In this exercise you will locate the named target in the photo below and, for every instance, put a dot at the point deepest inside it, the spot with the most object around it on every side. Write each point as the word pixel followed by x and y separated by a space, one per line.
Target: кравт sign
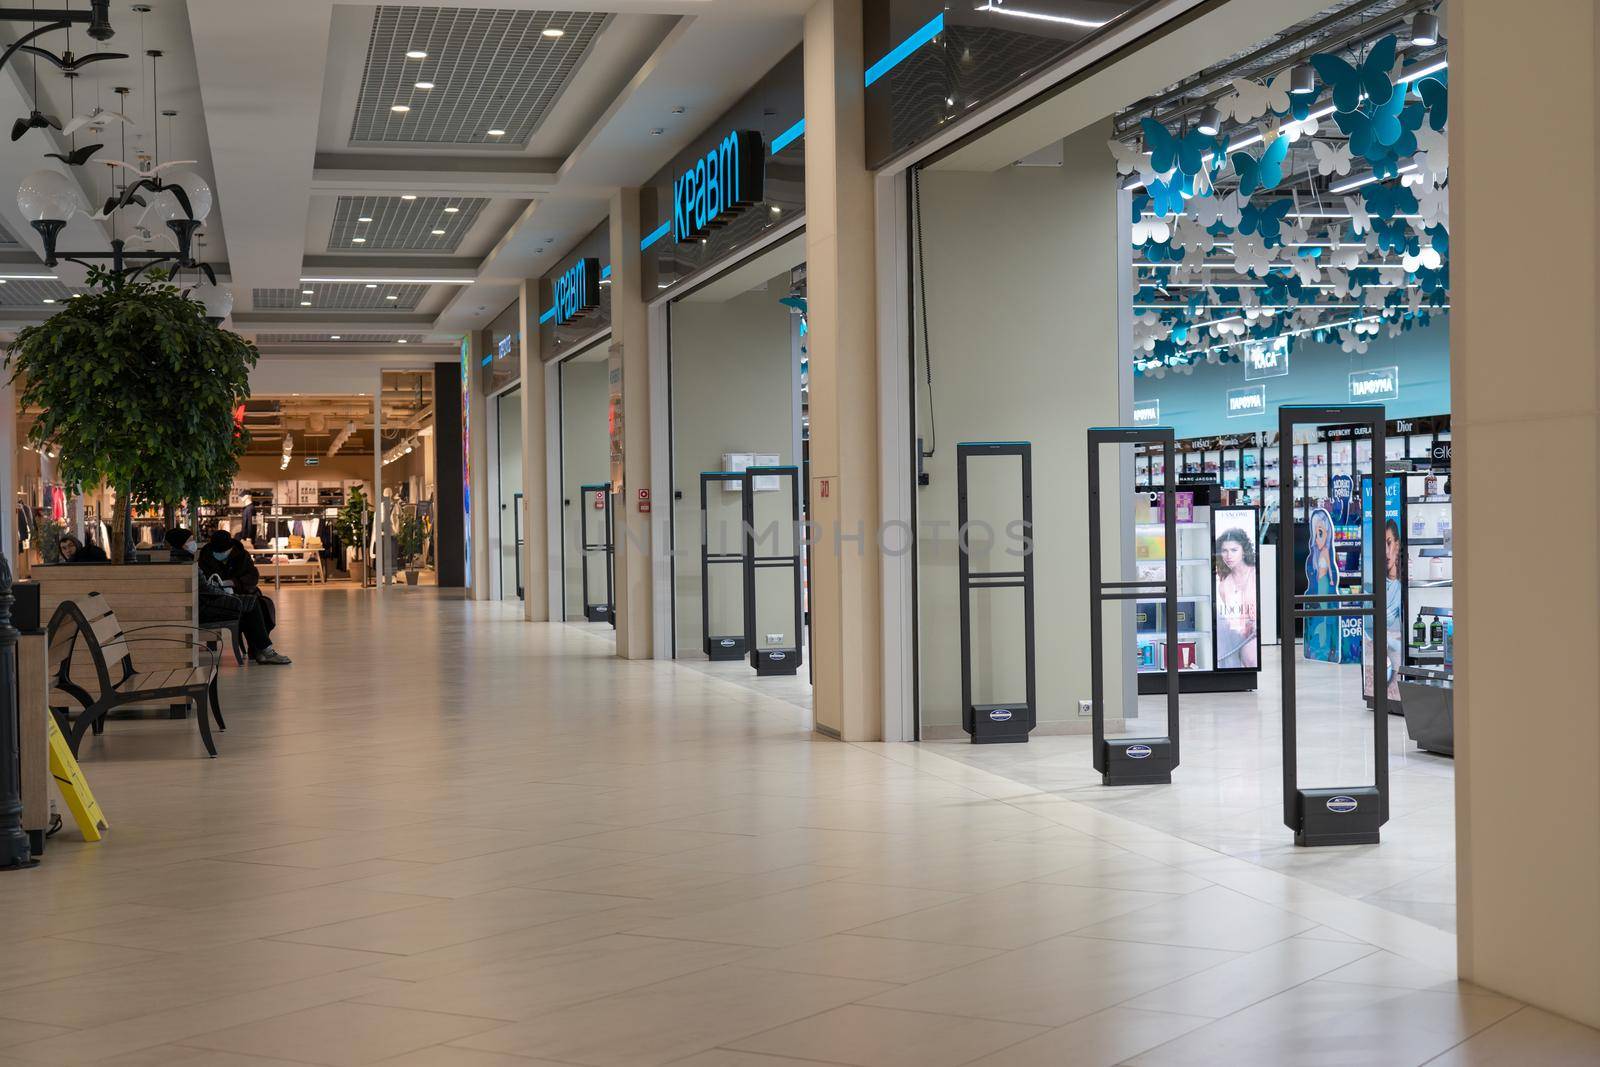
pixel 723 182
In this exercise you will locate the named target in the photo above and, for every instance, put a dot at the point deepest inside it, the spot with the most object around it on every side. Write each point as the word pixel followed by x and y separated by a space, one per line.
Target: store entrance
pixel 587 502
pixel 739 403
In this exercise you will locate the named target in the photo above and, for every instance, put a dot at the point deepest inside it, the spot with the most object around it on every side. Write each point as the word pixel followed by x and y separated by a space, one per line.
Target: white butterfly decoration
pixel 1298 234
pixel 1151 228
pixel 1131 160
pixel 1232 212
pixel 1205 210
pixel 1393 329
pixel 1433 205
pixel 1339 283
pixel 1190 236
pixel 1360 220
pixel 1353 343
pixel 1414 302
pixel 1368 328
pixel 1252 256
pixel 1435 144
pixel 1250 99
pixel 1231 327
pixel 1332 158
pixel 1427 256
pixel 1306 269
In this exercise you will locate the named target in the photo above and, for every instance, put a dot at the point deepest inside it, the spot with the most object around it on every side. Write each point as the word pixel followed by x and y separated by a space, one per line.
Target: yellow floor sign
pixel 74 789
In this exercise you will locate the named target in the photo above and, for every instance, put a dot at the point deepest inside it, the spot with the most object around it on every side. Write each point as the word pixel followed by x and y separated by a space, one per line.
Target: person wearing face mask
pixel 225 559
pixel 182 545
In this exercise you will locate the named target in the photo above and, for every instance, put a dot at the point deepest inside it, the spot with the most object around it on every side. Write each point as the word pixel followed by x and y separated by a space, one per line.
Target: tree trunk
pixel 121 527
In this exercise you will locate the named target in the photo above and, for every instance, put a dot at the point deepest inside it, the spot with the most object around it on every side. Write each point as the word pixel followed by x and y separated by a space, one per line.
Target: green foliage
pixel 45 538
pixel 408 539
pixel 136 389
pixel 351 521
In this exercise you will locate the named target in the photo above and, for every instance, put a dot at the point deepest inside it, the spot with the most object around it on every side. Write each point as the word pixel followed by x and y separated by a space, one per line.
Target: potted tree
pixel 351 526
pixel 409 539
pixel 137 389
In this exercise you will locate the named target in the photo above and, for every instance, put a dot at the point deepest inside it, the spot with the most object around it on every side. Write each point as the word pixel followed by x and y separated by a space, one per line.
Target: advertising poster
pixel 1236 589
pixel 1393 556
pixel 1322 576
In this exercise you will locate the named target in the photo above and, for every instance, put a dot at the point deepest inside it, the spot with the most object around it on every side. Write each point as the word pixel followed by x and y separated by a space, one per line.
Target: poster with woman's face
pixel 1235 589
pixel 1392 567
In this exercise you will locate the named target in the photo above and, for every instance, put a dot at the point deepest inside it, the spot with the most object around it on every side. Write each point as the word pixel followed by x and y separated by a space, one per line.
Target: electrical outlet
pixel 1085 709
pixel 774 639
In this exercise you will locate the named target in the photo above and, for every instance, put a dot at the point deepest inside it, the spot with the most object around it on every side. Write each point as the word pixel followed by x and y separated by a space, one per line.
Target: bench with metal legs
pixel 108 644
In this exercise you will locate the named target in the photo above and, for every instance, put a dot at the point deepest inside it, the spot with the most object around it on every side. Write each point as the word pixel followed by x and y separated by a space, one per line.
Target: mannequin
pixel 383 531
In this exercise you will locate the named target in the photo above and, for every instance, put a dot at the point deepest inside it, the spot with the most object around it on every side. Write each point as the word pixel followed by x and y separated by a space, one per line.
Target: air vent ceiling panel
pixel 340 296
pixel 402 225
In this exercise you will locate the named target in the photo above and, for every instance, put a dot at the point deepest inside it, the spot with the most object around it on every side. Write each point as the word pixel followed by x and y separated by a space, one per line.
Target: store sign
pixel 1267 359
pixel 577 291
pixel 503 348
pixel 1251 400
pixel 1441 454
pixel 1146 412
pixel 1380 384
pixel 728 179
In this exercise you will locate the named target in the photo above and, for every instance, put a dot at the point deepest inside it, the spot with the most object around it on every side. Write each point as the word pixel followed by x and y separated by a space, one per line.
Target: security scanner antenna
pixel 1133 760
pixel 598 549
pixel 768 602
pixel 721 642
pixel 1347 815
pixel 1007 721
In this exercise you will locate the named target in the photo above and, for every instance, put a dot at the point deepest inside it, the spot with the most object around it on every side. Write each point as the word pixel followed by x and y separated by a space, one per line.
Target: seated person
pixel 227 561
pixel 182 544
pixel 75 551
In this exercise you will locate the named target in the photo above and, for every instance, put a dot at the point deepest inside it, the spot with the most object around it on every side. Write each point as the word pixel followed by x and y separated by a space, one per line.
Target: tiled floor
pixel 446 837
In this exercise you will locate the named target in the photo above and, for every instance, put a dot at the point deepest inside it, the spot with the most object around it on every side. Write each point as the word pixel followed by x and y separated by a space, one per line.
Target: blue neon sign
pixel 722 183
pixel 577 290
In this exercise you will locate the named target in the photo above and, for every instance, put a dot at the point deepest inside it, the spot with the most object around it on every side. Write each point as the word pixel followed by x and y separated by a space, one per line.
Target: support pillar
pixel 536 565
pixel 841 290
pixel 477 446
pixel 1527 577
pixel 630 326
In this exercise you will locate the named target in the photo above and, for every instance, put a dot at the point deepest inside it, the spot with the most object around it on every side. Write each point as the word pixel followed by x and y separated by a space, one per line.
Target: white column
pixel 536 532
pixel 630 329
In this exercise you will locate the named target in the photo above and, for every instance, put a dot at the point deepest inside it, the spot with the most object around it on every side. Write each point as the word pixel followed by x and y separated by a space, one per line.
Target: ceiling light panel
pixel 491 69
pixel 343 338
pixel 400 225
pixel 348 296
pixel 34 293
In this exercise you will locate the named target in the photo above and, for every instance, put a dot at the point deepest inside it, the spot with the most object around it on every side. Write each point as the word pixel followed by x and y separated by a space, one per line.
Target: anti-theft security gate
pixel 724 630
pixel 1006 721
pixel 1133 760
pixel 597 549
pixel 772 593
pixel 1330 816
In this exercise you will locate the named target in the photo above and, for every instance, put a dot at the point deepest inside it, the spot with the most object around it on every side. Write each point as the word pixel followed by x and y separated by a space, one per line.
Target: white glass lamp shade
pixel 47 194
pixel 198 190
pixel 217 299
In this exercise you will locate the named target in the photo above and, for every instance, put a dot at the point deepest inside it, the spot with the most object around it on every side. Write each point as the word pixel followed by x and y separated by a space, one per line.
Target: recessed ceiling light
pixel 657 132
pixel 438 233
pixel 497 133
pixel 49 300
pixel 372 285
pixel 416 53
pixel 333 337
pixel 365 218
pixel 451 210
pixel 551 31
pixel 305 303
pixel 308 292
pixel 400 109
pixel 424 85
pixel 408 196
pixel 402 341
pixel 358 240
pixel 392 296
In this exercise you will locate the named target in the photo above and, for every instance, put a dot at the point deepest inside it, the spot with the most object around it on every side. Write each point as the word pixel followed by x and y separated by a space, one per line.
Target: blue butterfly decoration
pixel 1387 201
pixel 1140 202
pixel 1166 197
pixel 1219 229
pixel 1180 334
pixel 1156 253
pixel 1280 288
pixel 1167 150
pixel 1391 235
pixel 1196 301
pixel 1227 294
pixel 1265 219
pixel 1361 277
pixel 1309 251
pixel 1440 237
pixel 1434 281
pixel 1349 82
pixel 1436 98
pixel 1264 173
pixel 1373 127
pixel 1148 294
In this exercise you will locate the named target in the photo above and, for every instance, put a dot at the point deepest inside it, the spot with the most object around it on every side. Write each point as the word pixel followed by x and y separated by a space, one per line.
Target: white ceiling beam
pixel 379 175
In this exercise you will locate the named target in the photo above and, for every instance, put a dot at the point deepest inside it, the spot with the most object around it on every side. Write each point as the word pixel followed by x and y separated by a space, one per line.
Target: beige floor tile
pixel 1015 916
pixel 1529 1036
pixel 18 1032
pixel 798 915
pixel 1239 983
pixel 344 1035
pixel 1208 918
pixel 1100 1040
pixel 520 944
pixel 181 1056
pixel 1128 871
pixel 875 959
pixel 1054 982
pixel 44 959
pixel 633 880
pixel 722 1057
pixel 454 1056
pixel 884 1037
pixel 522 988
pixel 1387 969
pixel 671 1020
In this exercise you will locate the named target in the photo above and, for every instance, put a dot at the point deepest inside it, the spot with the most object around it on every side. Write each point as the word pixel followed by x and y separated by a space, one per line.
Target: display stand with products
pixel 772 578
pixel 1341 815
pixel 597 548
pixel 990 721
pixel 724 637
pixel 1133 760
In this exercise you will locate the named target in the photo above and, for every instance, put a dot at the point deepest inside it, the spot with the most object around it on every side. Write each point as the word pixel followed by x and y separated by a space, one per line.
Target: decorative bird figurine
pixel 66 60
pixel 78 156
pixel 97 116
pixel 36 120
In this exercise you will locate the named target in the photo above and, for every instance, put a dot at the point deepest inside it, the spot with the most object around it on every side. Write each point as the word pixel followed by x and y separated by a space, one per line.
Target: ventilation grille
pixel 341 296
pixel 341 339
pixel 402 225
pixel 491 69
pixel 16 294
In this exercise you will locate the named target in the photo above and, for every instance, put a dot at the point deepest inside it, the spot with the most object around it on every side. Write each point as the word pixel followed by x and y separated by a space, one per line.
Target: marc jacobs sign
pixel 721 184
pixel 577 290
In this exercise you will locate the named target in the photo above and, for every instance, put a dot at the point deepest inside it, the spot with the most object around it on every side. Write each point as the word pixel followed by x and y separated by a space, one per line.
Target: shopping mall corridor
pixel 444 836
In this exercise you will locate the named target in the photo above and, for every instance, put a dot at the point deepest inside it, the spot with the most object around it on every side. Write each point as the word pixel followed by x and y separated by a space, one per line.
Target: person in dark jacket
pixel 75 551
pixel 227 561
pixel 182 545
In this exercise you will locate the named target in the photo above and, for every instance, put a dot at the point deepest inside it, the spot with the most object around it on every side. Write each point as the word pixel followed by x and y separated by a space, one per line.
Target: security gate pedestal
pixel 769 659
pixel 1007 723
pixel 1133 760
pixel 599 545
pixel 1333 816
pixel 724 646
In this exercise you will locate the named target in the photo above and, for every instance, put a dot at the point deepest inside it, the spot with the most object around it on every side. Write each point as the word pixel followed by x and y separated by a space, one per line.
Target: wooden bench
pixel 119 683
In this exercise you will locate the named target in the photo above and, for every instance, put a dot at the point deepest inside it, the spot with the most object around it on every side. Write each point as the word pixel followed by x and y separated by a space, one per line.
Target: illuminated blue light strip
pixel 883 66
pixel 791 135
pixel 547 316
pixel 487 360
pixel 655 235
pixel 605 272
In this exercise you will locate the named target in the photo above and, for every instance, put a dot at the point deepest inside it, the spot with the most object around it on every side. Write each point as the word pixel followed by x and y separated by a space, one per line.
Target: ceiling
pixel 346 227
